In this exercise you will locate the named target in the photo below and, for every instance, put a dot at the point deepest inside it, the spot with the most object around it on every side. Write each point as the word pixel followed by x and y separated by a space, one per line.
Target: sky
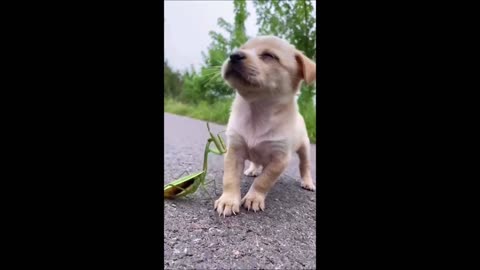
pixel 187 24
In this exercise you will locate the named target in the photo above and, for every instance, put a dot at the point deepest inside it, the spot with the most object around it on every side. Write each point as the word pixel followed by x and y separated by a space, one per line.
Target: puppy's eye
pixel 267 55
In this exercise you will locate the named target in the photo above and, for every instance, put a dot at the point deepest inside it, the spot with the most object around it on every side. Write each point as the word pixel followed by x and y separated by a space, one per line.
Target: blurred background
pixel 199 36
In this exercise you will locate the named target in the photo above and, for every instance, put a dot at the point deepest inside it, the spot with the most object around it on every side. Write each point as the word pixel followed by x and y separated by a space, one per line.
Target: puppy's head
pixel 267 66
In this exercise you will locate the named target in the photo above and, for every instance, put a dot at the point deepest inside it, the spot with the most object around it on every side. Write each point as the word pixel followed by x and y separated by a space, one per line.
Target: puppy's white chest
pixel 261 152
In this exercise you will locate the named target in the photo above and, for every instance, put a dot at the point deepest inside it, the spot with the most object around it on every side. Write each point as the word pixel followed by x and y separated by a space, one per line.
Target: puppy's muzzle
pixel 237 57
pixel 239 69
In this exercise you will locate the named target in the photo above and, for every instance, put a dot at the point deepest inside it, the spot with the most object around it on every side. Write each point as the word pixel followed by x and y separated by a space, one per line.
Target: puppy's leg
pixel 253 170
pixel 304 156
pixel 255 198
pixel 234 163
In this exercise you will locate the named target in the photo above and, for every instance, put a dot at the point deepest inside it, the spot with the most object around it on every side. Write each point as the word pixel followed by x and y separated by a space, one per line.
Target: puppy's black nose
pixel 237 57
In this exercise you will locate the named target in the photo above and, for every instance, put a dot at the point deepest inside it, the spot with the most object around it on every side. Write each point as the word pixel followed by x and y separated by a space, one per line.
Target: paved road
pixel 195 237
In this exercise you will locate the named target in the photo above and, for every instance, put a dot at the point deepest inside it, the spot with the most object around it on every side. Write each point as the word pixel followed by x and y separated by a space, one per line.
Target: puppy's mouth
pixel 245 75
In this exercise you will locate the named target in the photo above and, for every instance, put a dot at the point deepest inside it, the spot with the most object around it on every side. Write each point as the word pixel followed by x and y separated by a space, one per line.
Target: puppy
pixel 265 126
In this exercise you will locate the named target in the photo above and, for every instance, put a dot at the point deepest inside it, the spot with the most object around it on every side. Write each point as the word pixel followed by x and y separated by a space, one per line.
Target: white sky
pixel 187 24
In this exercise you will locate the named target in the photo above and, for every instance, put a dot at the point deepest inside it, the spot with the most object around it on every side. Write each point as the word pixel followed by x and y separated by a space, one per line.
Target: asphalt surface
pixel 195 237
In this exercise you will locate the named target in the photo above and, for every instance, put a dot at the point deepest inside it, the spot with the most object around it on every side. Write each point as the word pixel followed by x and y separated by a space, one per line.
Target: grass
pixel 219 112
pixel 309 114
pixel 216 113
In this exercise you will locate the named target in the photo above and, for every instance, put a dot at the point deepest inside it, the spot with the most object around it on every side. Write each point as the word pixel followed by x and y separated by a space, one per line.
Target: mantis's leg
pixel 215 151
pixel 222 143
pixel 182 174
pixel 215 141
pixel 205 155
pixel 206 191
pixel 170 185
pixel 214 185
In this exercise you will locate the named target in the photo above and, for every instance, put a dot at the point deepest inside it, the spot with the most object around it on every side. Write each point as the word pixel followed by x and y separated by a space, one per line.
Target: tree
pixel 208 84
pixel 239 34
pixel 172 82
pixel 293 21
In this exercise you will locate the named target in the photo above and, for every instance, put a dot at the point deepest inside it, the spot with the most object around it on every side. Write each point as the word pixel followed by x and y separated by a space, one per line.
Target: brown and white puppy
pixel 265 126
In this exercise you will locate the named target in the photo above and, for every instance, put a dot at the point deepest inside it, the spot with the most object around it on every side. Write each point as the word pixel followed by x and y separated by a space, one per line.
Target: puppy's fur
pixel 265 126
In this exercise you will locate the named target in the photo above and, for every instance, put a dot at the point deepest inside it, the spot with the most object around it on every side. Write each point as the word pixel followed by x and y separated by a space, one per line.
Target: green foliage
pixel 204 94
pixel 291 20
pixel 295 22
pixel 172 81
pixel 217 112
pixel 308 111
pixel 191 87
pixel 208 84
pixel 239 34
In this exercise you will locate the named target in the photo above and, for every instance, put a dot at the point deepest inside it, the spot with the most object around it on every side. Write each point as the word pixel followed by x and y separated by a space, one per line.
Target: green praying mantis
pixel 189 184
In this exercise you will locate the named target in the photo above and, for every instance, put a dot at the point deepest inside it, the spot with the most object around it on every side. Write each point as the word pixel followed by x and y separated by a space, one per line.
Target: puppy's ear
pixel 307 68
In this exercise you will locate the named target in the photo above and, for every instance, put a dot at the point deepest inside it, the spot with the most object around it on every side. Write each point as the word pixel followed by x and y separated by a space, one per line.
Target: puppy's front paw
pixel 254 200
pixel 253 171
pixel 308 184
pixel 228 204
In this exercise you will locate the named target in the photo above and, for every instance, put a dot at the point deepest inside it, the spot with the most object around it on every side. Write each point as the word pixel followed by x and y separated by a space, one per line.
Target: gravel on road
pixel 195 237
